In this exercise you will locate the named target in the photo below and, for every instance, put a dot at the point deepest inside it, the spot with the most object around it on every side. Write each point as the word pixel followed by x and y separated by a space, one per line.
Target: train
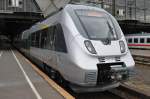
pixel 138 40
pixel 80 44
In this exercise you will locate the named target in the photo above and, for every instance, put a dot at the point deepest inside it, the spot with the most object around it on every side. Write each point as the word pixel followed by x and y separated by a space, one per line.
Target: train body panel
pixel 87 55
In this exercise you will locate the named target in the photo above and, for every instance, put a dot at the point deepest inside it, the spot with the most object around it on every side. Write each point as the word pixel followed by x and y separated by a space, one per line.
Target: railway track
pixel 122 92
pixel 145 60
pixel 97 95
pixel 127 92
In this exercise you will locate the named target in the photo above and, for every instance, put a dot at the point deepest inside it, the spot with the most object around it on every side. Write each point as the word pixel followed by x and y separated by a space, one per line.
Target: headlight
pixel 122 46
pixel 90 47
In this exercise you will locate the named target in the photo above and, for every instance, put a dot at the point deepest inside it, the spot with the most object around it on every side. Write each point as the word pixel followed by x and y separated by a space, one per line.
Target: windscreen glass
pixel 96 24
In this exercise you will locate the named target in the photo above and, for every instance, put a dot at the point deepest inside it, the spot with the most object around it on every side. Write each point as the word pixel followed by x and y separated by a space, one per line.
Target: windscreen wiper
pixel 111 28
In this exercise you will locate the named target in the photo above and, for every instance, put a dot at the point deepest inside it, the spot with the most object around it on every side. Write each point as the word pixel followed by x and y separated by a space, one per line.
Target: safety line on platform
pixel 52 83
pixel 27 78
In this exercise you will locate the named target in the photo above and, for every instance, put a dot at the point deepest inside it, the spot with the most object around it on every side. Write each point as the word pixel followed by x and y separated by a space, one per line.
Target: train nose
pixel 111 49
pixel 112 72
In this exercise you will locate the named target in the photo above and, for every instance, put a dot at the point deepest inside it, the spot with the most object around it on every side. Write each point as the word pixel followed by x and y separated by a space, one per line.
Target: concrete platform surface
pixel 18 80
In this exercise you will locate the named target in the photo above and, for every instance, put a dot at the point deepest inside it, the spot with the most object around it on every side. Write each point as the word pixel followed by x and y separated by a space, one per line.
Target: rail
pixel 145 60
pixel 127 92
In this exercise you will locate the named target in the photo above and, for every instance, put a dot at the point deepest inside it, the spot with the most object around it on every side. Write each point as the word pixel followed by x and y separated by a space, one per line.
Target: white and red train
pixel 140 41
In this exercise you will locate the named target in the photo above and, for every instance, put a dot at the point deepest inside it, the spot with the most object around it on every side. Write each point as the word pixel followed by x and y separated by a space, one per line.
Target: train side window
pixel 142 40
pixel 135 40
pixel 130 40
pixel 148 40
pixel 28 42
pixel 60 44
pixel 51 33
pixel 44 38
pixel 33 37
pixel 47 44
pixel 37 41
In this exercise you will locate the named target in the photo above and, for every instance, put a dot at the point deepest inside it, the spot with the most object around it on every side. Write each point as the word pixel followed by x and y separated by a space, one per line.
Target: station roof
pixel 134 26
pixel 50 6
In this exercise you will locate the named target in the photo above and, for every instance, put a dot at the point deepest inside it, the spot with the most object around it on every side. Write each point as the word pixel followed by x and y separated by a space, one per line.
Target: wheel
pixel 50 72
pixel 53 74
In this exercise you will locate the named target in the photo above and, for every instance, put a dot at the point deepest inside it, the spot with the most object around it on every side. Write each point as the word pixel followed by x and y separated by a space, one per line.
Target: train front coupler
pixel 112 72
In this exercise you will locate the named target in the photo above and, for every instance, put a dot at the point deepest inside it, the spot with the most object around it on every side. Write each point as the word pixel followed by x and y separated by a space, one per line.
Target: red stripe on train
pixel 138 44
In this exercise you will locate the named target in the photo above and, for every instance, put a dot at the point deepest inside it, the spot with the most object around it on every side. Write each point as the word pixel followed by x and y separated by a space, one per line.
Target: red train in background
pixel 138 41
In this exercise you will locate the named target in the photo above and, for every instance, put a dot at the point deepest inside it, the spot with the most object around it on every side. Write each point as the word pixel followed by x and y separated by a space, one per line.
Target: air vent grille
pixel 117 59
pixel 102 59
pixel 91 77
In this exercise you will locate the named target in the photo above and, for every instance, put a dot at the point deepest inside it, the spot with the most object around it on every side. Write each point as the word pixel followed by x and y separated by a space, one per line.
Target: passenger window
pixel 29 42
pixel 130 40
pixel 148 40
pixel 44 39
pixel 135 40
pixel 141 40
pixel 33 37
pixel 37 43
pixel 60 44
pixel 52 37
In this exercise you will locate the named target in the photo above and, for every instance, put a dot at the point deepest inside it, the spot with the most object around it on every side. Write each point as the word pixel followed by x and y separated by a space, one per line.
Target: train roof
pixel 68 7
pixel 74 6
pixel 51 19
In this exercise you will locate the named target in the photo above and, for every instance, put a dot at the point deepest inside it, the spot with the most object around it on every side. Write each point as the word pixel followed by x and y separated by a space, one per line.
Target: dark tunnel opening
pixel 13 24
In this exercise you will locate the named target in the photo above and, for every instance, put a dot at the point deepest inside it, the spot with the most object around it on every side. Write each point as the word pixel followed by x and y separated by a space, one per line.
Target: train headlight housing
pixel 122 46
pixel 90 47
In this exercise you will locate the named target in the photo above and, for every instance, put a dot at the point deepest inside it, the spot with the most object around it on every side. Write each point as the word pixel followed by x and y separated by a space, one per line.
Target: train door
pixel 53 52
pixel 60 47
pixel 48 48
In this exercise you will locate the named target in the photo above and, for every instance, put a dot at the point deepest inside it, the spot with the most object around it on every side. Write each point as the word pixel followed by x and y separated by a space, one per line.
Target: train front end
pixel 99 51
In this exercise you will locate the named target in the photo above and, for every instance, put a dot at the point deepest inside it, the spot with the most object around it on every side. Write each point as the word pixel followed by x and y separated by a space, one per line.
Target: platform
pixel 18 80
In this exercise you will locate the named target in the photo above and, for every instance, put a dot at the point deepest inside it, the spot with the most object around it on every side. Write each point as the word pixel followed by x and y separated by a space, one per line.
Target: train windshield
pixel 96 24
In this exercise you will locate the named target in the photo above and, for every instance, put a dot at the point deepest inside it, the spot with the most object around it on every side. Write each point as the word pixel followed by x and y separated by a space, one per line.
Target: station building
pixel 18 15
